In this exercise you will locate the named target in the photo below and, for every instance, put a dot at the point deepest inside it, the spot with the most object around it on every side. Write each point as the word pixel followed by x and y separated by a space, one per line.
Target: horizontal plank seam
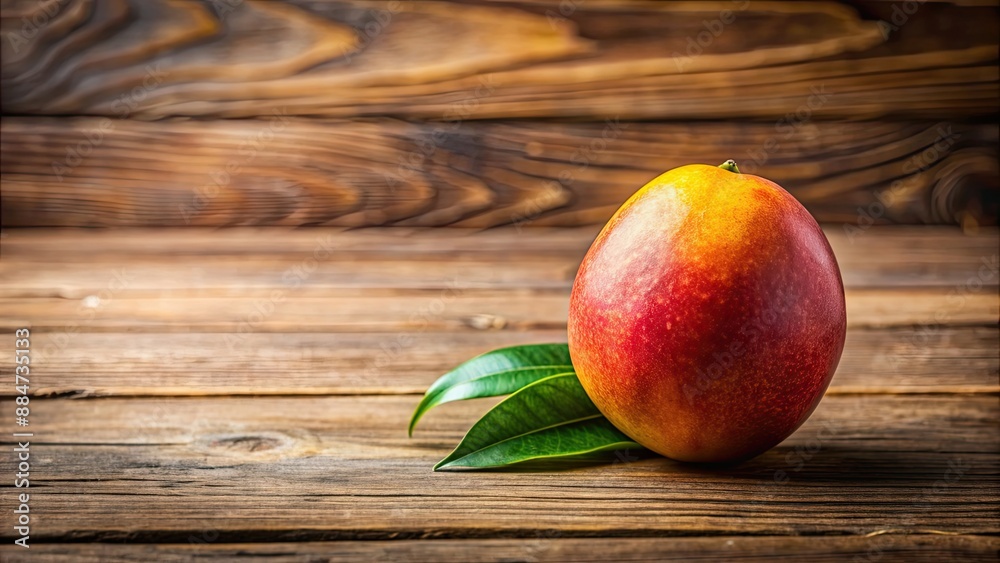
pixel 529 326
pixel 272 536
pixel 84 395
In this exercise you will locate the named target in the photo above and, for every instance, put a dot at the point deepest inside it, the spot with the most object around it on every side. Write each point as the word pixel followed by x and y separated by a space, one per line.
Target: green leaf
pixel 499 372
pixel 552 418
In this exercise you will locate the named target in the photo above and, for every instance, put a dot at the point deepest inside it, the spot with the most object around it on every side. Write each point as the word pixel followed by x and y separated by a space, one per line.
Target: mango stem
pixel 730 165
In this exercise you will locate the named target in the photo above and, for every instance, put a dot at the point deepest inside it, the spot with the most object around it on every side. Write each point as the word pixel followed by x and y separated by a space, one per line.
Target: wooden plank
pixel 920 360
pixel 635 59
pixel 902 360
pixel 359 311
pixel 447 310
pixel 398 243
pixel 72 264
pixel 939 249
pixel 886 548
pixel 98 172
pixel 401 288
pixel 257 276
pixel 321 468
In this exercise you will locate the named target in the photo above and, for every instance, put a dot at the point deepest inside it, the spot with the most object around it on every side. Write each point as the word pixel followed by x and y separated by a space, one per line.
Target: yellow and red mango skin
pixel 708 317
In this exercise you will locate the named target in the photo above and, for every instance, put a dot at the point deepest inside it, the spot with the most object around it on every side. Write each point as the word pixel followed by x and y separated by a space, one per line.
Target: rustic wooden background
pixel 242 393
pixel 230 394
pixel 551 112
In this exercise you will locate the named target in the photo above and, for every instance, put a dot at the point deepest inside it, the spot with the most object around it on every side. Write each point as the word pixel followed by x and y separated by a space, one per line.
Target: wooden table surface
pixel 231 394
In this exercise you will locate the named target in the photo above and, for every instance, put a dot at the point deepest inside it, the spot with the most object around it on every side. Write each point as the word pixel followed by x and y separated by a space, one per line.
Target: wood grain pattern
pixel 428 300
pixel 295 435
pixel 284 171
pixel 407 286
pixel 319 468
pixel 889 548
pixel 242 394
pixel 636 59
pixel 83 364
pixel 448 312
pixel 21 52
pixel 244 262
